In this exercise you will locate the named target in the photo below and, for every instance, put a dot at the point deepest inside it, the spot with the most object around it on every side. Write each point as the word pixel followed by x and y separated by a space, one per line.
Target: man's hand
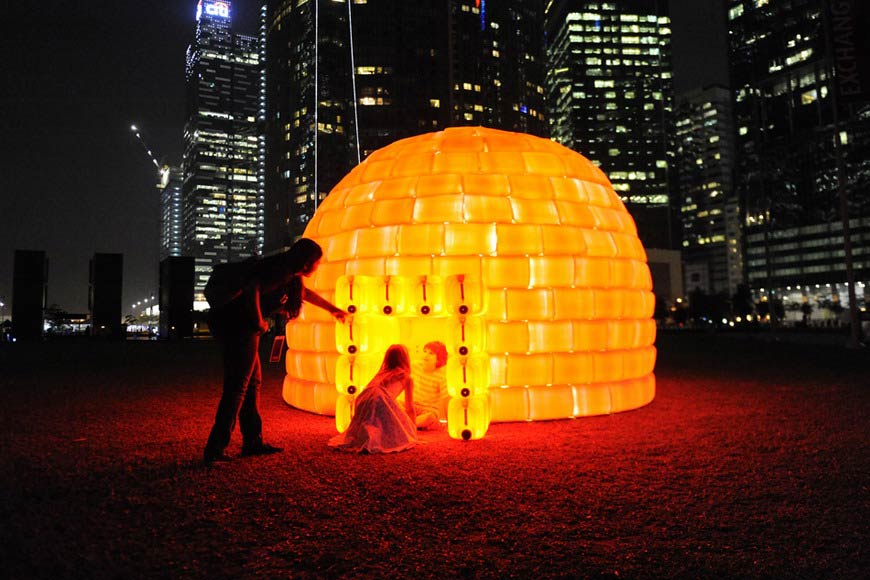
pixel 263 326
pixel 339 314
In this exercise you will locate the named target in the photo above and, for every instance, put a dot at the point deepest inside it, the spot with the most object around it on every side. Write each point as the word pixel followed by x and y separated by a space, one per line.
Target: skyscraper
pixel 789 142
pixel 170 211
pixel 610 98
pixel 223 212
pixel 497 64
pixel 709 211
pixel 294 148
pixel 417 67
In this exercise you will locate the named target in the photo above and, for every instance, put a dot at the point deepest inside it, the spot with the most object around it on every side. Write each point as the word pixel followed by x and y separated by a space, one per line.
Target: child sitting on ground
pixel 430 386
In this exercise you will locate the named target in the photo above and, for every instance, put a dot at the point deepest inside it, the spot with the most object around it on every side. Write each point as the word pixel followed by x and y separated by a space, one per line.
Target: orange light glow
pixel 512 250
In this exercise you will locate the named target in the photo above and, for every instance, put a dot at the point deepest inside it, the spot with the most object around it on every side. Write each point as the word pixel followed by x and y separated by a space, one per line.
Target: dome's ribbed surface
pixel 568 304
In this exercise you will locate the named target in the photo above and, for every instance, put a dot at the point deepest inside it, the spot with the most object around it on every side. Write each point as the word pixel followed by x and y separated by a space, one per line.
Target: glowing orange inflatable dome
pixel 512 250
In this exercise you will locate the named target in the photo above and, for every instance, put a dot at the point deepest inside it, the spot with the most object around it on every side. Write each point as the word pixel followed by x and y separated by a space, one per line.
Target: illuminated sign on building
pixel 219 9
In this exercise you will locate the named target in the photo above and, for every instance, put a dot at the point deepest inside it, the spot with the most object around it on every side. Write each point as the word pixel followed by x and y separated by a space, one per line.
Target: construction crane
pixel 135 131
pixel 163 172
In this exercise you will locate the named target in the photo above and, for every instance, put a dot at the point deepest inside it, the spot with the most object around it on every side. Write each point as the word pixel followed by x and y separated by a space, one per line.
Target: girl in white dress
pixel 379 424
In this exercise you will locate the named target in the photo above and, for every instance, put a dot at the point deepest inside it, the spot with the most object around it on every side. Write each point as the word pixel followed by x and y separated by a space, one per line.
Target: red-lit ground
pixel 751 462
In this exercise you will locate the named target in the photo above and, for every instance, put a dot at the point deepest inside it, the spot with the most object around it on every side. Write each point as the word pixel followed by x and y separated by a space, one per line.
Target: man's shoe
pixel 210 458
pixel 260 449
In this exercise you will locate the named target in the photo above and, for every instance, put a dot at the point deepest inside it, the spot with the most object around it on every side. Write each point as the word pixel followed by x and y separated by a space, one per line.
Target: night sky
pixel 75 76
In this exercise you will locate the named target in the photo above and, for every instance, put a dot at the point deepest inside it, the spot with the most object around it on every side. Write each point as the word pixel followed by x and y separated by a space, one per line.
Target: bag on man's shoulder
pixel 227 282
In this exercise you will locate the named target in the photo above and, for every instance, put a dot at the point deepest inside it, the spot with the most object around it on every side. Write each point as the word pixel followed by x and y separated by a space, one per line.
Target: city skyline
pixel 76 180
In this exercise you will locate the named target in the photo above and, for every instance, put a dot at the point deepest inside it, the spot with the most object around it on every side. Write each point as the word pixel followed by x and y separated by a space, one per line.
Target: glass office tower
pixel 784 68
pixel 223 212
pixel 418 67
pixel 170 211
pixel 708 206
pixel 610 98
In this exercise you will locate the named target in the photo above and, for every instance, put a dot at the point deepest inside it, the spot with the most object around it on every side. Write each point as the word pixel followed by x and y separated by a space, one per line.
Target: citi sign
pixel 219 9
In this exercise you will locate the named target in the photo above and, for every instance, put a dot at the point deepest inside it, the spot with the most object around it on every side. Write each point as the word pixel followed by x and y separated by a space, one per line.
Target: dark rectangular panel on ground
pixel 29 290
pixel 105 294
pixel 176 297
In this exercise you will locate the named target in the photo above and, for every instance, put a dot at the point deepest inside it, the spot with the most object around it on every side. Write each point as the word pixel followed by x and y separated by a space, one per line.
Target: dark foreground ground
pixel 751 462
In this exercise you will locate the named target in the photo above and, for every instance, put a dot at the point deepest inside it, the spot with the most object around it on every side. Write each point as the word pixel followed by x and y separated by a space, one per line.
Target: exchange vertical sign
pixel 850 46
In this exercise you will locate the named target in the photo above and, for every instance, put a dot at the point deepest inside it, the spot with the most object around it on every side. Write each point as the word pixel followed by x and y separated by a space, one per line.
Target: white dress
pixel 379 424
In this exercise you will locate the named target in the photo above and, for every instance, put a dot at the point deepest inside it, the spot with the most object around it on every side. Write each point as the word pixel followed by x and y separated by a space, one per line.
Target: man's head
pixel 304 257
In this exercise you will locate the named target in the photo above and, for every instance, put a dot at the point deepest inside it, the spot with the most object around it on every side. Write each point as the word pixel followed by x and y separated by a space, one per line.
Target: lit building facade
pixel 171 180
pixel 709 210
pixel 223 211
pixel 610 98
pixel 497 64
pixel 418 67
pixel 784 82
pixel 302 164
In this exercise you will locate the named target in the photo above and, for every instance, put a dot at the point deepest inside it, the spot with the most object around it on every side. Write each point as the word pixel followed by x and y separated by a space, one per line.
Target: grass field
pixel 752 461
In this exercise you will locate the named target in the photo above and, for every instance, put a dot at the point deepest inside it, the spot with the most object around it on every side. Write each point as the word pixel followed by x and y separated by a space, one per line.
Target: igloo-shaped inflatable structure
pixel 512 250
